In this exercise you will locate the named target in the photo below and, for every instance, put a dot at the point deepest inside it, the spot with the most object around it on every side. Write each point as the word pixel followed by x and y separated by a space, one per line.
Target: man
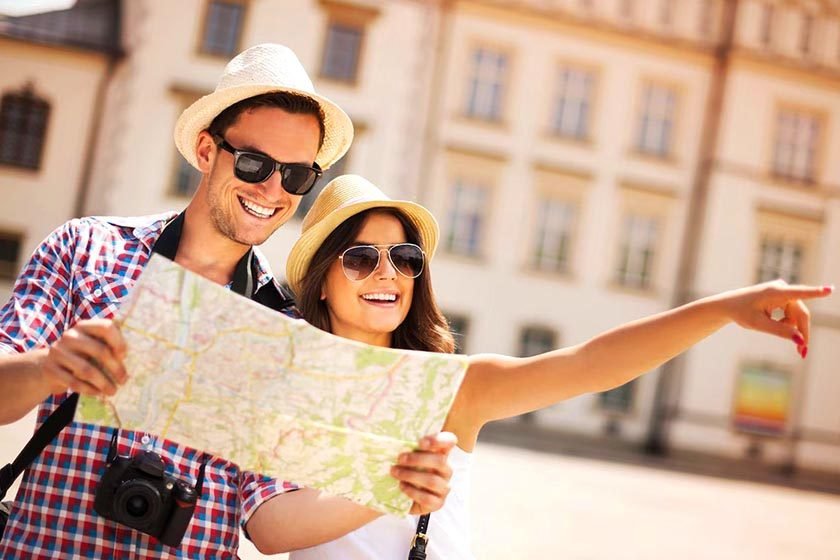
pixel 260 140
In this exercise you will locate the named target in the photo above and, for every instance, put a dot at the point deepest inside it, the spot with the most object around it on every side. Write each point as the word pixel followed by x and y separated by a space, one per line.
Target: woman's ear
pixel 323 295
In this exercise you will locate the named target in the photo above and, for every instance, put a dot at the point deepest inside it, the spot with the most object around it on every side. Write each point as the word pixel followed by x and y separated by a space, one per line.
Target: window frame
pixel 28 95
pixel 505 85
pixel 347 15
pixel 819 117
pixel 9 270
pixel 202 29
pixel 672 149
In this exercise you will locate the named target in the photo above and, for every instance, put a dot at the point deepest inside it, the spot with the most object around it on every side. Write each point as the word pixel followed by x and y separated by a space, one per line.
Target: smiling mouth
pixel 257 210
pixel 381 298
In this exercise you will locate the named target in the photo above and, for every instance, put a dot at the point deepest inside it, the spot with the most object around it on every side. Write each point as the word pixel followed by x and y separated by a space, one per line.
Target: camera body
pixel 135 492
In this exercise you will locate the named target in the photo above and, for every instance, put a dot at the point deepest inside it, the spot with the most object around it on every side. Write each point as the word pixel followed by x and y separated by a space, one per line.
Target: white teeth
pixel 380 297
pixel 261 211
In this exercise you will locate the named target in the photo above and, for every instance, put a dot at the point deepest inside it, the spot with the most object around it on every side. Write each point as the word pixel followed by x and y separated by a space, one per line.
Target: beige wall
pixel 34 202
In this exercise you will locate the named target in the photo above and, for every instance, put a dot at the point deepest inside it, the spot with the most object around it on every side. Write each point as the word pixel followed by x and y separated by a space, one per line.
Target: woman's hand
pixel 424 473
pixel 753 308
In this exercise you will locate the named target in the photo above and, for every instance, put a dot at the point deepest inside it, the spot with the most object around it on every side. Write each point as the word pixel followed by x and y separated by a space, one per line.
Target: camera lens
pixel 136 506
pixel 137 503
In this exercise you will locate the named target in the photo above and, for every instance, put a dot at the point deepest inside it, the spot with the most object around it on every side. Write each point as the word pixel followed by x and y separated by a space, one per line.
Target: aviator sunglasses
pixel 360 261
pixel 254 167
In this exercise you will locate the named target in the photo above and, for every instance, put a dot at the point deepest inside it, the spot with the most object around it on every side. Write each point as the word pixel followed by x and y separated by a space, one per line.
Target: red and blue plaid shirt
pixel 81 271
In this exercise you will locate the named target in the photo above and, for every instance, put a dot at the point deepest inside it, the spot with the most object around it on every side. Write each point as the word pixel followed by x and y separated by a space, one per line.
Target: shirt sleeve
pixel 35 315
pixel 255 489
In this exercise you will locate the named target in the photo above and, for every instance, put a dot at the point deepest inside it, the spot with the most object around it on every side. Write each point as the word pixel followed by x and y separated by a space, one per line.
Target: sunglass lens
pixel 407 259
pixel 253 168
pixel 298 179
pixel 360 262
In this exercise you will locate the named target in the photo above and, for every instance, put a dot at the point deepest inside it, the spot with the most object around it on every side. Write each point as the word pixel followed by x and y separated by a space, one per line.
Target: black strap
pixel 420 540
pixel 271 295
pixel 60 417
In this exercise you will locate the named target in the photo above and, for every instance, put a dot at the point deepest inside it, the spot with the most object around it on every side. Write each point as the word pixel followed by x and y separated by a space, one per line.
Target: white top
pixel 389 537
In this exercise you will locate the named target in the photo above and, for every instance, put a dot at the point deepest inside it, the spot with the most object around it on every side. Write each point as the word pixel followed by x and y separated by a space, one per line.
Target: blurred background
pixel 590 162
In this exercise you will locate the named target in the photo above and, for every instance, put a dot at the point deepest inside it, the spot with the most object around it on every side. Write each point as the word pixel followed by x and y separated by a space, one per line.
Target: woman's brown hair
pixel 424 327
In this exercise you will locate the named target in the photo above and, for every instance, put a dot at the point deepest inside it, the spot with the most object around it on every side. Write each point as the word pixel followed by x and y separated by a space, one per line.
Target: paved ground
pixel 534 505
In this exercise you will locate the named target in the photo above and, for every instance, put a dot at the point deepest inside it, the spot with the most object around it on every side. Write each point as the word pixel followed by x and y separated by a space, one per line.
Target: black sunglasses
pixel 360 261
pixel 254 167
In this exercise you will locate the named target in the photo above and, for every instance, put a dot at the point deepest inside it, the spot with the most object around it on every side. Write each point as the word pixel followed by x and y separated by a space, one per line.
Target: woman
pixel 359 271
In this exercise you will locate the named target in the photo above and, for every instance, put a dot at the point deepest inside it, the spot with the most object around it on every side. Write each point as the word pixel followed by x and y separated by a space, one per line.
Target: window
pixel 656 126
pixel 574 100
pixel 627 9
pixel 767 16
pixel 806 35
pixel 780 259
pixel 666 12
pixel 536 340
pixel 466 219
pixel 619 399
pixel 23 128
pixel 762 397
pixel 459 326
pixel 186 178
pixel 486 87
pixel 797 135
pixel 342 50
pixel 328 175
pixel 707 14
pixel 223 23
pixel 555 224
pixel 9 255
pixel 638 246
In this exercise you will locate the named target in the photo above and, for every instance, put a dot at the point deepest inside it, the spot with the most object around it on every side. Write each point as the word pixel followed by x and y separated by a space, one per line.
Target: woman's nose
pixel 385 270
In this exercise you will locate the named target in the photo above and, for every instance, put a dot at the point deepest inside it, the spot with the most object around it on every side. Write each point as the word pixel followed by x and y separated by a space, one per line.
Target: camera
pixel 135 492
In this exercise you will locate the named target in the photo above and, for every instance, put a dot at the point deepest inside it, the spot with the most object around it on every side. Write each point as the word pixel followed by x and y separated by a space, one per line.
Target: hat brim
pixel 300 257
pixel 338 128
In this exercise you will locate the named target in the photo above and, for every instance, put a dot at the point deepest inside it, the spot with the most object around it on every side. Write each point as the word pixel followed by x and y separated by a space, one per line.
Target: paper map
pixel 218 372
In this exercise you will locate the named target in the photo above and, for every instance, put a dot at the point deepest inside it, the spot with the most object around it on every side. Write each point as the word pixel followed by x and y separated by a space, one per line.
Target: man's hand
pixel 424 474
pixel 88 359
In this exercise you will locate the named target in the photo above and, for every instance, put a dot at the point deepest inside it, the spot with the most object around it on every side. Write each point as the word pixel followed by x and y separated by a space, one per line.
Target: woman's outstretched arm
pixel 498 387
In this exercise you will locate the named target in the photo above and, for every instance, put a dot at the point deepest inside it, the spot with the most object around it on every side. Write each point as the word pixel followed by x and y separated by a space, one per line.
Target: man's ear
pixel 205 151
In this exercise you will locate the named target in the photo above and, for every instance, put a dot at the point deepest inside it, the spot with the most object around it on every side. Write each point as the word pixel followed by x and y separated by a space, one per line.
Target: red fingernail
pixel 828 289
pixel 797 338
pixel 804 352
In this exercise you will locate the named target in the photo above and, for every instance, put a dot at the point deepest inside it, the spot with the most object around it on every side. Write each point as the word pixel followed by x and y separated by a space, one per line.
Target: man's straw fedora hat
pixel 262 69
pixel 343 197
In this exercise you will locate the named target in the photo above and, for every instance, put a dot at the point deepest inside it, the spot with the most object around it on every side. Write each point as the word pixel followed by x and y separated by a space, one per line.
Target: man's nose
pixel 273 187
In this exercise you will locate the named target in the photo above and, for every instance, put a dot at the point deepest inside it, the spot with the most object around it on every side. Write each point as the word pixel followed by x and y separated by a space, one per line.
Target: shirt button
pixel 145 440
pixel 97 292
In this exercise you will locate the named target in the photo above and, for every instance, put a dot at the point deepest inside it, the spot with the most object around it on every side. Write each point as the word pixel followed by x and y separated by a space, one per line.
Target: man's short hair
pixel 289 102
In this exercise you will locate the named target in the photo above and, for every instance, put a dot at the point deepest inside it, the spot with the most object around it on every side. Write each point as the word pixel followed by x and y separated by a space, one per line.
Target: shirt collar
pixel 147 230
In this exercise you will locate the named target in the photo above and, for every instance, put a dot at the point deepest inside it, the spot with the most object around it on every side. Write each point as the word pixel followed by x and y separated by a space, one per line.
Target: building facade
pixel 589 162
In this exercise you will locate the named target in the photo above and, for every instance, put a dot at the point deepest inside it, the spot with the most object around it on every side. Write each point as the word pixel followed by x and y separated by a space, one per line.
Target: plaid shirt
pixel 81 271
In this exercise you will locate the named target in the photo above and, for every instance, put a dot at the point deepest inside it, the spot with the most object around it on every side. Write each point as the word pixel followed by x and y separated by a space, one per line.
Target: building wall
pixel 34 202
pixel 136 166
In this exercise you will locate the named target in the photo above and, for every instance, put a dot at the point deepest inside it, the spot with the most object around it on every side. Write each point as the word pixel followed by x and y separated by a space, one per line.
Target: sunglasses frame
pixel 278 166
pixel 379 248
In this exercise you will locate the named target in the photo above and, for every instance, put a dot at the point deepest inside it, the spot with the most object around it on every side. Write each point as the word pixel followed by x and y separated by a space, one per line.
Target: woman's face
pixel 370 310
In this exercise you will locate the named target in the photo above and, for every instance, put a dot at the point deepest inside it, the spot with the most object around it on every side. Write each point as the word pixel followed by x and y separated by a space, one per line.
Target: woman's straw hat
pixel 263 69
pixel 343 197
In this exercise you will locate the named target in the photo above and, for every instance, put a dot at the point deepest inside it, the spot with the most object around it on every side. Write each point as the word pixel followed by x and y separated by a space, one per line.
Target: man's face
pixel 248 213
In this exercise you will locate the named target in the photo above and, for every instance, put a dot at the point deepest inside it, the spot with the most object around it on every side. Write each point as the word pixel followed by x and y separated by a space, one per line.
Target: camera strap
pixel 43 436
pixel 113 452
